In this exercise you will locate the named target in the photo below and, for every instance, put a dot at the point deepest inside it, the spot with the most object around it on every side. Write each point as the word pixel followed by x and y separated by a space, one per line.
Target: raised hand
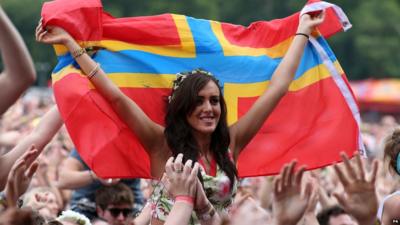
pixel 290 196
pixel 52 35
pixel 308 22
pixel 20 175
pixel 359 197
pixel 180 179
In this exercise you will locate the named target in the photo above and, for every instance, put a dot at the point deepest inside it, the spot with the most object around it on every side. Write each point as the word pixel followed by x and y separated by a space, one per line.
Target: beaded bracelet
pixel 78 52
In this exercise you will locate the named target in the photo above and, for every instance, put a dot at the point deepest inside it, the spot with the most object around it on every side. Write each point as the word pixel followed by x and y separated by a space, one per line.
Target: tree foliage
pixel 370 49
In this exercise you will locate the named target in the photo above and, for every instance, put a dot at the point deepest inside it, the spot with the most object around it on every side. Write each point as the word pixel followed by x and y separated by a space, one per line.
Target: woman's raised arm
pixel 246 127
pixel 150 133
pixel 39 137
pixel 19 72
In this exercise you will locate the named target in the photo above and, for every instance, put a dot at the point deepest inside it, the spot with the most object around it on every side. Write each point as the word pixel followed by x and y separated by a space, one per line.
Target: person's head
pixel 115 204
pixel 51 207
pixel 197 104
pixel 389 209
pixel 197 109
pixel 335 216
pixel 392 150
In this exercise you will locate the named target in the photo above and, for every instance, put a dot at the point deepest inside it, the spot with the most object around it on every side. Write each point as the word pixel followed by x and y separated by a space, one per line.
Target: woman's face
pixel 204 118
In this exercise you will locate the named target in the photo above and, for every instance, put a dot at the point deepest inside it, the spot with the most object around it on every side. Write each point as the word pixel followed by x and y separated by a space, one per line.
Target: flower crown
pixel 180 77
pixel 74 217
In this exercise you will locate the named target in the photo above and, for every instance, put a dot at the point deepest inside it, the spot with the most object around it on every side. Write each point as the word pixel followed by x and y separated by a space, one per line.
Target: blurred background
pixel 368 51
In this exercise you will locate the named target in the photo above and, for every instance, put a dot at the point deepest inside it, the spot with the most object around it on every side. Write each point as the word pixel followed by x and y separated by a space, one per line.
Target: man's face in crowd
pixel 120 214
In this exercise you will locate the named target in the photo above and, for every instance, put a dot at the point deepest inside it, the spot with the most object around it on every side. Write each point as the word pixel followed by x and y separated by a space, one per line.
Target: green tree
pixel 377 38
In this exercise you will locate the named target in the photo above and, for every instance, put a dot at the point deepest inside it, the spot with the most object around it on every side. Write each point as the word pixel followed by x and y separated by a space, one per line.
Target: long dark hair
pixel 178 132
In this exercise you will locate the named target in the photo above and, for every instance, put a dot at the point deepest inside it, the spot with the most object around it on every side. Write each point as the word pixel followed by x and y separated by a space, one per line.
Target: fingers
pixel 195 170
pixel 288 177
pixel 31 155
pixel 32 169
pixel 39 30
pixel 299 175
pixel 283 176
pixel 41 35
pixel 374 172
pixel 169 167
pixel 341 175
pixel 187 167
pixel 277 185
pixel 322 15
pixel 178 163
pixel 360 167
pixel 349 167
pixel 289 174
pixel 308 191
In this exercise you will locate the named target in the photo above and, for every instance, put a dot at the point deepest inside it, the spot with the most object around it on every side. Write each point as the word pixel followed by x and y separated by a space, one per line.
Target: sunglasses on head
pixel 116 211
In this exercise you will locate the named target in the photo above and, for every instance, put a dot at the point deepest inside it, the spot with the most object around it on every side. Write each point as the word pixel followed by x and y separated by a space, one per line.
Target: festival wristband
pixel 184 198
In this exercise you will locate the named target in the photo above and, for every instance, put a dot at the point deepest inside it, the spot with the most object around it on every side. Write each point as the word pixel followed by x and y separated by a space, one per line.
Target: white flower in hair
pixel 74 217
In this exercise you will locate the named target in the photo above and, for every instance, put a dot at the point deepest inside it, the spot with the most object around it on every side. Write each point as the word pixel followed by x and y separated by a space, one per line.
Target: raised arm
pixel 246 127
pixel 19 72
pixel 150 133
pixel 40 137
pixel 75 176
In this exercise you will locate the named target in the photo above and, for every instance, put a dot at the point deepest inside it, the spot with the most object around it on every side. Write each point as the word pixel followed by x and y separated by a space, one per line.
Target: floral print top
pixel 217 189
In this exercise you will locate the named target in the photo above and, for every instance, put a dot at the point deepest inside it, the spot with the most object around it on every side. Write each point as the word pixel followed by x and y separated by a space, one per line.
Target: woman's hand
pixel 291 197
pixel 52 35
pixel 180 179
pixel 20 175
pixel 308 22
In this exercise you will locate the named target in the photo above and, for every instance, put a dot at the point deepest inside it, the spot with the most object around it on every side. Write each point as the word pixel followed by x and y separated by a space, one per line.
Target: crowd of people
pixel 45 181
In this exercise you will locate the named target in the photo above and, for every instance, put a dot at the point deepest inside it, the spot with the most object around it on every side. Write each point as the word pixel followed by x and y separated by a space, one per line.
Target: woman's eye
pixel 214 101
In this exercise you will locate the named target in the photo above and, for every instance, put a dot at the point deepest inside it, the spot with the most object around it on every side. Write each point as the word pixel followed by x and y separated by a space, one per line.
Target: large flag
pixel 315 120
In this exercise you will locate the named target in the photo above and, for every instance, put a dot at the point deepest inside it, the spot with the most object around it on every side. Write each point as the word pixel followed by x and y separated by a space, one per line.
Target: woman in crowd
pixel 195 123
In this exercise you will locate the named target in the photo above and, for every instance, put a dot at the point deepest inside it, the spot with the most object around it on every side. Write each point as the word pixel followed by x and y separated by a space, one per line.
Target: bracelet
pixel 303 34
pixel 78 52
pixel 184 198
pixel 94 71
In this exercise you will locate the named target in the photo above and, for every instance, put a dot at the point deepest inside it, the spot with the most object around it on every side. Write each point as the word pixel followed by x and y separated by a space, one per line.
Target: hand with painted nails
pixel 291 197
pixel 180 179
pixel 359 197
pixel 20 176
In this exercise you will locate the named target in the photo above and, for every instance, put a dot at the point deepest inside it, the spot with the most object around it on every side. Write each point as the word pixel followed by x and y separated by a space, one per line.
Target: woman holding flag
pixel 195 123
